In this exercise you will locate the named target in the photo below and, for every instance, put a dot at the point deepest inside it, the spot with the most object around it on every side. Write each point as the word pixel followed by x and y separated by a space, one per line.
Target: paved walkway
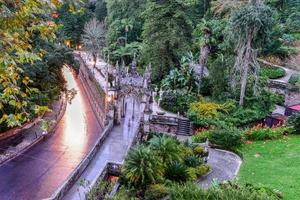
pixel 114 149
pixel 40 171
pixel 289 73
pixel 225 166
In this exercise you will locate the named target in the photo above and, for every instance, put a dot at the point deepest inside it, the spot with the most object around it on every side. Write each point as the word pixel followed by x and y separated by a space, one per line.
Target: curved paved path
pixel 39 172
pixel 225 166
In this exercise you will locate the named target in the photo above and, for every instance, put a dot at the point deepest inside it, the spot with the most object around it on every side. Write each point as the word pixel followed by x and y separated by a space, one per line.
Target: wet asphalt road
pixel 40 171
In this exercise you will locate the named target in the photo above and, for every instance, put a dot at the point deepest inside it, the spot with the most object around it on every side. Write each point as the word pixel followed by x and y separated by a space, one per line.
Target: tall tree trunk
pixel 204 52
pixel 245 69
pixel 94 62
pixel 203 57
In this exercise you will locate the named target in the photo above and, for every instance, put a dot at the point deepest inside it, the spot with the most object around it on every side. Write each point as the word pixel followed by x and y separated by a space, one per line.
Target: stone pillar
pixel 123 107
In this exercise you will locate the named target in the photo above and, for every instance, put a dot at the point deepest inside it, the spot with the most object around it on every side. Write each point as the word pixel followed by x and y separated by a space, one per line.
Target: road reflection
pixel 75 123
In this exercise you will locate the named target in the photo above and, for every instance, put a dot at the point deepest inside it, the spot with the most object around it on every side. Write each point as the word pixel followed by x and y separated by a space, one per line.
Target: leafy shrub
pixel 193 161
pixel 273 72
pixel 201 137
pixel 179 79
pixel 190 191
pixel 124 194
pixel 192 173
pixel 100 190
pixel 294 121
pixel 244 116
pixel 199 151
pixel 185 151
pixel 177 100
pixel 206 114
pixel 266 133
pixel 294 79
pixel 279 99
pixel 228 138
pixel 202 170
pixel 256 109
pixel 156 191
pixel 177 172
pixel 206 109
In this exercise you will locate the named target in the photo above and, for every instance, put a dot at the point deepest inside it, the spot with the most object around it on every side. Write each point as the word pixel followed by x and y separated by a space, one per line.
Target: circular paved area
pixel 225 166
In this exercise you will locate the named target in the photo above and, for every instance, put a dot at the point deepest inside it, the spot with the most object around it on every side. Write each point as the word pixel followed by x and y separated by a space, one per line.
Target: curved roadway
pixel 39 172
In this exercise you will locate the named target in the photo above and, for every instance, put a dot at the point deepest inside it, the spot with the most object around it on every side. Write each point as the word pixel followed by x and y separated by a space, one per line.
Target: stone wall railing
pixel 163 124
pixel 282 86
pixel 94 92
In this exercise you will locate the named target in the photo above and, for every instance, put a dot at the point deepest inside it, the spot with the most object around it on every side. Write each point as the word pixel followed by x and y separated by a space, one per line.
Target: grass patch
pixel 275 164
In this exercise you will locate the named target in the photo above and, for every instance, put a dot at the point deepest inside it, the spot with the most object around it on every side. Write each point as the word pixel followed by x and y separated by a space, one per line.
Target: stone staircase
pixel 184 127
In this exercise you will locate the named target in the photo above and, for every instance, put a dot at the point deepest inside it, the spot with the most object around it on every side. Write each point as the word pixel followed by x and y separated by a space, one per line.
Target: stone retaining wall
pixel 95 93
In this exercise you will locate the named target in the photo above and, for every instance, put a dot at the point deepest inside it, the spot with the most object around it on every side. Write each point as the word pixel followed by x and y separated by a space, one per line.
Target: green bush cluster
pixel 225 137
pixel 162 159
pixel 294 121
pixel 100 191
pixel 294 79
pixel 272 72
pixel 190 191
pixel 177 101
pixel 227 191
pixel 231 114
pixel 266 133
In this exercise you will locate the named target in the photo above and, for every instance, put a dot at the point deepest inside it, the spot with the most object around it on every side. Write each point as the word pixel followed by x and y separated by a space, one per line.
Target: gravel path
pixel 225 166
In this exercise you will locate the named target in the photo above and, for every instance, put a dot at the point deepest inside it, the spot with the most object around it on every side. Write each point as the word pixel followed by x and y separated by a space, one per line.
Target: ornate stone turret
pixel 134 66
pixel 147 77
pixel 146 86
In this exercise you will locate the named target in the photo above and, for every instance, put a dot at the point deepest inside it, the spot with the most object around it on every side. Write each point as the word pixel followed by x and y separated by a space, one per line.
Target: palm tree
pixel 94 38
pixel 142 167
pixel 166 147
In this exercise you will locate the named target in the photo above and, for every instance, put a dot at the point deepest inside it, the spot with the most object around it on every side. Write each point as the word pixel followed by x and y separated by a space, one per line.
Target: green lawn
pixel 275 164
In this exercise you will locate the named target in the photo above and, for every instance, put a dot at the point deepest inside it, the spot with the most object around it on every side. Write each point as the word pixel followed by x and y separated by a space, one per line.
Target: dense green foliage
pixel 72 22
pixel 163 159
pixel 166 35
pixel 124 22
pixel 227 191
pixel 142 167
pixel 190 191
pixel 265 133
pixel 294 121
pixel 30 60
pixel 176 101
pixel 294 79
pixel 273 72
